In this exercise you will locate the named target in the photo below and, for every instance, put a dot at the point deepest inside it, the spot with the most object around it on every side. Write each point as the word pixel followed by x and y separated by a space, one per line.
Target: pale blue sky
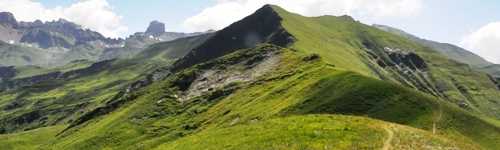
pixel 138 13
pixel 440 20
pixel 448 20
pixel 472 24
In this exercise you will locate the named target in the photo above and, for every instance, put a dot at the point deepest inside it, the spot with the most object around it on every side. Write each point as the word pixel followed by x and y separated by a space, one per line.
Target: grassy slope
pixel 493 69
pixel 453 52
pixel 30 139
pixel 173 49
pixel 340 41
pixel 29 71
pixel 62 101
pixel 316 132
pixel 146 123
pixel 13 55
pixel 155 118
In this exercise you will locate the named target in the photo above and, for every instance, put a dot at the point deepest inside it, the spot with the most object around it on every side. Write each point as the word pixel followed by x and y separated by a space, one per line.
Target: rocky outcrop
pixel 407 59
pixel 155 28
pixel 45 39
pixel 405 66
pixel 121 98
pixel 155 33
pixel 451 51
pixel 205 80
pixel 495 80
pixel 397 58
pixel 7 72
pixel 8 19
pixel 220 73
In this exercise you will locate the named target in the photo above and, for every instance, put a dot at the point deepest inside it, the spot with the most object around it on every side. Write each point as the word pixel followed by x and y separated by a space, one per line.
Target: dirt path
pixel 438 118
pixel 388 141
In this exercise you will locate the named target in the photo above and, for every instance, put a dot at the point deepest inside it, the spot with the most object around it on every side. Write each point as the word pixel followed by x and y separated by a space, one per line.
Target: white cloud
pixel 97 15
pixel 225 12
pixel 485 42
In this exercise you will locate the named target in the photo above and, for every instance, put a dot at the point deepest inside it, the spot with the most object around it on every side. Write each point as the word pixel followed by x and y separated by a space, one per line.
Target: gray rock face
pixel 60 33
pixel 7 18
pixel 7 72
pixel 454 52
pixel 68 41
pixel 44 39
pixel 155 28
pixel 495 80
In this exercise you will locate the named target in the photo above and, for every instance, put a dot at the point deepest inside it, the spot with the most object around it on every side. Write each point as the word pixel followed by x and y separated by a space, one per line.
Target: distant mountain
pixel 134 44
pixel 53 43
pixel 273 80
pixel 57 43
pixel 261 27
pixel 493 69
pixel 454 52
pixel 157 31
pixel 59 33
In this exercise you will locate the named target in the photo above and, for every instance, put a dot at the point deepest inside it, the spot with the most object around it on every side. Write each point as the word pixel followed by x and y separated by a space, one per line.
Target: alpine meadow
pixel 276 79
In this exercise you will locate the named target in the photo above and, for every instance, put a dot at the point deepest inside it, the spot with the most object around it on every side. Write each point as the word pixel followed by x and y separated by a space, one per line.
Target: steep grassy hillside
pixel 174 49
pixel 451 51
pixel 55 98
pixel 14 55
pixel 454 52
pixel 29 71
pixel 30 139
pixel 291 91
pixel 37 97
pixel 317 132
pixel 350 45
pixel 493 70
pixel 192 102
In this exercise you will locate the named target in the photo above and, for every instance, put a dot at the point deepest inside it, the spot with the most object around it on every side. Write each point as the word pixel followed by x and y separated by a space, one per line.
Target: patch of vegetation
pixel 298 87
pixel 316 132
pixel 30 139
pixel 325 72
pixel 343 42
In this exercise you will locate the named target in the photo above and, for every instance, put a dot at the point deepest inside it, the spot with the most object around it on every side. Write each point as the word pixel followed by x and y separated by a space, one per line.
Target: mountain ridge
pixel 59 42
pixel 38 32
pixel 303 76
pixel 266 28
pixel 454 52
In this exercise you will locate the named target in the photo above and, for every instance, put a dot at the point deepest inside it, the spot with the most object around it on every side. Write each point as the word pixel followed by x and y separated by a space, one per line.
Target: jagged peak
pixel 155 27
pixel 7 15
pixel 263 26
pixel 7 18
pixel 273 7
pixel 270 10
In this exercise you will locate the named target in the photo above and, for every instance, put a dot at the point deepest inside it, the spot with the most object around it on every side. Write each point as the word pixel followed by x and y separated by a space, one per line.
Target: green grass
pixel 315 132
pixel 29 71
pixel 274 109
pixel 297 87
pixel 341 42
pixel 29 140
pixel 61 101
